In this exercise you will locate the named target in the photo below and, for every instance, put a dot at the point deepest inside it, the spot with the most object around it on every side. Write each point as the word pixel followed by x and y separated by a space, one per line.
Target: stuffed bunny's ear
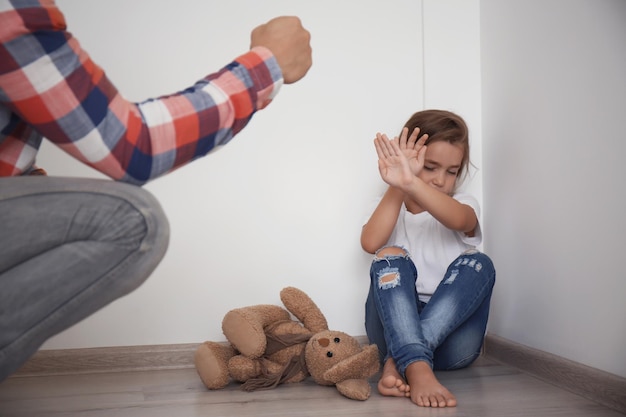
pixel 301 306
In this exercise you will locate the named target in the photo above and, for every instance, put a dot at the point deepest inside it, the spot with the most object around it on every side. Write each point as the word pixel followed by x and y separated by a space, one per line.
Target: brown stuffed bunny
pixel 267 348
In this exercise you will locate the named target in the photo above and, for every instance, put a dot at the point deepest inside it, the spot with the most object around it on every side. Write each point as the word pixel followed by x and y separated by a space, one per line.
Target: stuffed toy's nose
pixel 323 342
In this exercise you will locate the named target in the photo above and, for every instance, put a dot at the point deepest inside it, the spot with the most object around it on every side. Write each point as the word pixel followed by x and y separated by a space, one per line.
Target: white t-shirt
pixel 431 245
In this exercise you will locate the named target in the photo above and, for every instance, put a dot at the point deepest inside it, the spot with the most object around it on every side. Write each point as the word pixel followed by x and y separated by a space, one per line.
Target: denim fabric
pixel 448 331
pixel 68 248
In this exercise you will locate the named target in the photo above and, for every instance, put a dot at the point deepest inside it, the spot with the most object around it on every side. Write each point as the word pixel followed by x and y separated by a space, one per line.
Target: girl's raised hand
pixel 393 164
pixel 413 148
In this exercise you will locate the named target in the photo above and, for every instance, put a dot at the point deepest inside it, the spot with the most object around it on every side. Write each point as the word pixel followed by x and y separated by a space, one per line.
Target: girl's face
pixel 442 164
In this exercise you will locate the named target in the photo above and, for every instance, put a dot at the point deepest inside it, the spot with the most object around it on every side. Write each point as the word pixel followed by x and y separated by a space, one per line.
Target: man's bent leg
pixel 69 247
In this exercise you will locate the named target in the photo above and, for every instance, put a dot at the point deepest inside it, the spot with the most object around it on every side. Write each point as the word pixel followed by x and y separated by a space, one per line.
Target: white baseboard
pixel 109 359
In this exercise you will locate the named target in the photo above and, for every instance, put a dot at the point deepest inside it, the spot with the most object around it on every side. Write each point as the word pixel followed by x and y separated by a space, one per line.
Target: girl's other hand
pixel 413 148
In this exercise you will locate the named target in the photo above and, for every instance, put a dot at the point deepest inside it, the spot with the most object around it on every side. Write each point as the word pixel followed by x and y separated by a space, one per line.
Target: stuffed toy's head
pixel 336 358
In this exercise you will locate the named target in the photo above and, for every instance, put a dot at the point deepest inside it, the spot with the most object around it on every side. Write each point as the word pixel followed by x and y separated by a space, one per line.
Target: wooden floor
pixel 484 389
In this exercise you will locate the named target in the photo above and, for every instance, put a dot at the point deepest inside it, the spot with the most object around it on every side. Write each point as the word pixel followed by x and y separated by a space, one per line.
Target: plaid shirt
pixel 49 87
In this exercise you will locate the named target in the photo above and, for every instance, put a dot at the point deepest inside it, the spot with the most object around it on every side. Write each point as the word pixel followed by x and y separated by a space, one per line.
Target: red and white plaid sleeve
pixel 49 87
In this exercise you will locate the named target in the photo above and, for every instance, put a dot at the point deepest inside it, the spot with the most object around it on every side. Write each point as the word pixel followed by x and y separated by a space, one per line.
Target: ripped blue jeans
pixel 448 331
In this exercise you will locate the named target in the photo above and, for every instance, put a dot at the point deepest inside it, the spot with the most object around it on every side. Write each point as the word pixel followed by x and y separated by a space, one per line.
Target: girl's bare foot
pixel 426 391
pixel 391 383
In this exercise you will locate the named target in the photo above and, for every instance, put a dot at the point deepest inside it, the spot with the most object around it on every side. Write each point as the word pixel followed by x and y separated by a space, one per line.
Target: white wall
pixel 284 202
pixel 452 70
pixel 554 100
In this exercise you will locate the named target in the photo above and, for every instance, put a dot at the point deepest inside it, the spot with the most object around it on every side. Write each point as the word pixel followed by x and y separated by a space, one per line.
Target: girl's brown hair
pixel 442 125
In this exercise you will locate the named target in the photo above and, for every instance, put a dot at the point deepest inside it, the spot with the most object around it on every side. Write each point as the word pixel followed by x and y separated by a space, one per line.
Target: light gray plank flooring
pixel 487 389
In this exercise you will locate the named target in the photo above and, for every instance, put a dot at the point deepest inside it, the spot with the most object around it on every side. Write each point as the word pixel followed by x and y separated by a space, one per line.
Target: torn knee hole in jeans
pixel 471 262
pixel 391 252
pixel 388 278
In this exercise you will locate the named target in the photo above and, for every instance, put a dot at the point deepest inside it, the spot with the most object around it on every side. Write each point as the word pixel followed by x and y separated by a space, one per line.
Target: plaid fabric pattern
pixel 49 87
